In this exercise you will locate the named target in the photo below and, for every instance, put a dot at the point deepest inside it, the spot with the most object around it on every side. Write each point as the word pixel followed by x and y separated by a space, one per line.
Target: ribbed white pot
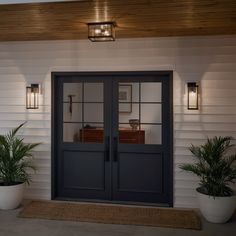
pixel 218 209
pixel 11 196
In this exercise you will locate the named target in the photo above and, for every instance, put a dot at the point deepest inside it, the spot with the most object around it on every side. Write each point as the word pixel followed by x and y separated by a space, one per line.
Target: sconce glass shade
pixel 192 96
pixel 32 96
pixel 101 32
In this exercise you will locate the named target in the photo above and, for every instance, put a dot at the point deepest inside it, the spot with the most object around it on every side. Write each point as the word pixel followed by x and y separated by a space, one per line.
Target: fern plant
pixel 15 159
pixel 213 166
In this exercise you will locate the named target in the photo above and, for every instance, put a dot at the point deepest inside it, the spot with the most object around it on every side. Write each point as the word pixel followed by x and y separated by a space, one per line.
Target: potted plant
pixel 214 167
pixel 15 160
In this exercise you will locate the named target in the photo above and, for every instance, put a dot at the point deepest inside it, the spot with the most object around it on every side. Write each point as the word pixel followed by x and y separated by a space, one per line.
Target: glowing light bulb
pixel 97 31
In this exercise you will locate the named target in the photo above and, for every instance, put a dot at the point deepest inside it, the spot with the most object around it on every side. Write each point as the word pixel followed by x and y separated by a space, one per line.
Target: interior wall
pixel 209 60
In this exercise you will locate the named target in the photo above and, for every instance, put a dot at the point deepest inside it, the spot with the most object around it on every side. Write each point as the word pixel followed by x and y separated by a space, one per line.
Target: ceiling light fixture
pixel 101 31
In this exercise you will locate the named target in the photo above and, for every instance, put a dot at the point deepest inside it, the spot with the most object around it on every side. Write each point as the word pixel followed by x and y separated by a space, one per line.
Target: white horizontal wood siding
pixel 209 60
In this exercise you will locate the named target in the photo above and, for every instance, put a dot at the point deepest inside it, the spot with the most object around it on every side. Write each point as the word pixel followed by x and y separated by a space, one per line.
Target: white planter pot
pixel 218 209
pixel 11 196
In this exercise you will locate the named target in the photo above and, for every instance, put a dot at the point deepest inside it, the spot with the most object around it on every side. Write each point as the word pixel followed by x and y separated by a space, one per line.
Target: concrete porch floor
pixel 11 225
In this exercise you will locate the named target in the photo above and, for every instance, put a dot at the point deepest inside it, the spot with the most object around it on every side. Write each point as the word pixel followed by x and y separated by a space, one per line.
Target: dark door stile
pixel 114 155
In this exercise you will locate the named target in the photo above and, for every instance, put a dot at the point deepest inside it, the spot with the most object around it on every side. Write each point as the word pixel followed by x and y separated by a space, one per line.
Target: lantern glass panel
pixel 192 96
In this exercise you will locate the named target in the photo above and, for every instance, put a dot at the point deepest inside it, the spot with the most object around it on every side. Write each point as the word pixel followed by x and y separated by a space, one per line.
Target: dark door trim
pixel 54 125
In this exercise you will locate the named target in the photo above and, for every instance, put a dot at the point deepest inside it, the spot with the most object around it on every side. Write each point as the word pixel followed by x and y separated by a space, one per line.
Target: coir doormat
pixel 112 214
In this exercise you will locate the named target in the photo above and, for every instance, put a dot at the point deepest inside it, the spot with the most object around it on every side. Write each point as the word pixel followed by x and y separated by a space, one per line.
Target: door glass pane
pixel 128 92
pixel 125 98
pixel 151 113
pixel 71 132
pixel 152 133
pixel 72 112
pixel 151 92
pixel 125 117
pixel 93 112
pixel 93 92
pixel 72 90
pixel 83 109
pixel 142 134
pixel 92 133
pixel 133 135
pixel 140 112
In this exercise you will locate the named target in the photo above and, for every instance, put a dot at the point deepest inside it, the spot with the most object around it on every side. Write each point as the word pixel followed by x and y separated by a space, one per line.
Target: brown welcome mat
pixel 112 214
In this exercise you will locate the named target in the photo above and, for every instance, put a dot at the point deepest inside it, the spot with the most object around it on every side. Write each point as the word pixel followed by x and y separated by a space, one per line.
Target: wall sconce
pixel 192 96
pixel 32 96
pixel 101 32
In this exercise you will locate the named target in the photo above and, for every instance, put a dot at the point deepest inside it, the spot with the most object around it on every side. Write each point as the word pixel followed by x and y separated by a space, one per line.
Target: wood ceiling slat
pixel 158 18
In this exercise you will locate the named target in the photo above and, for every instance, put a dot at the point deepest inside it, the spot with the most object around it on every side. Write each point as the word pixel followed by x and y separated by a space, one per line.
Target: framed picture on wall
pixel 125 98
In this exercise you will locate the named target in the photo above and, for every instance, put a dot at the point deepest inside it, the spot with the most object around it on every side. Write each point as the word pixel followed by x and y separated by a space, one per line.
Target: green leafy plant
pixel 213 166
pixel 15 158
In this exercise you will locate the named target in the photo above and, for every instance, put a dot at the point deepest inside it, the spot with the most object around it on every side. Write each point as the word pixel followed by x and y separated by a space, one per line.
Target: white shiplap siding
pixel 209 60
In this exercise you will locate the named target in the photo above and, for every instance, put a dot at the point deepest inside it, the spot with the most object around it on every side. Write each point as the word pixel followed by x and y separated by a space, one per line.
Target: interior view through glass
pixel 140 112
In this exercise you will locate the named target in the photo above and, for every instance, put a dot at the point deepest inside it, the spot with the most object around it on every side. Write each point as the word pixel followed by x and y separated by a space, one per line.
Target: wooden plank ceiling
pixel 134 18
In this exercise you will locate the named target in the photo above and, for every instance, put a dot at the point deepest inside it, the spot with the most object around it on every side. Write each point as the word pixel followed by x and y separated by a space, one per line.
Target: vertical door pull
pixel 107 148
pixel 115 151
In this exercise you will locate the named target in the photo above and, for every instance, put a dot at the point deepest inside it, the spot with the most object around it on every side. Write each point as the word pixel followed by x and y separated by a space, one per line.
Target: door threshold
pixel 107 202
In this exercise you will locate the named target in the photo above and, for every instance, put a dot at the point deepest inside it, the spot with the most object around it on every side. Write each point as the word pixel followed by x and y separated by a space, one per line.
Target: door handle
pixel 115 150
pixel 107 148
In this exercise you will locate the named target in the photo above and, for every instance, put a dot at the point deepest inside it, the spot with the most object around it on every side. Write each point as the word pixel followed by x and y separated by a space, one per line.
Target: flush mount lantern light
pixel 32 96
pixel 192 96
pixel 101 31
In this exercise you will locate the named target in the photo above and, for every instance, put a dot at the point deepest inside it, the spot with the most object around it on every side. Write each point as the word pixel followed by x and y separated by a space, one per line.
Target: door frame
pixel 54 147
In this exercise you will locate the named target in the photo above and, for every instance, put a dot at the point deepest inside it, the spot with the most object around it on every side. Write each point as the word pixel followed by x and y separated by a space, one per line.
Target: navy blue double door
pixel 112 137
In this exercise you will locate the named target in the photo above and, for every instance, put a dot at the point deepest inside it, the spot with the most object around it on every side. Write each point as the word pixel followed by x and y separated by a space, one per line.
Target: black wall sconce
pixel 101 31
pixel 32 96
pixel 193 91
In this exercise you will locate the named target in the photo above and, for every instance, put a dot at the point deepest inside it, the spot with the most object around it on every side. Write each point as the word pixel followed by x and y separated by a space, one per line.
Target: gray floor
pixel 11 225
